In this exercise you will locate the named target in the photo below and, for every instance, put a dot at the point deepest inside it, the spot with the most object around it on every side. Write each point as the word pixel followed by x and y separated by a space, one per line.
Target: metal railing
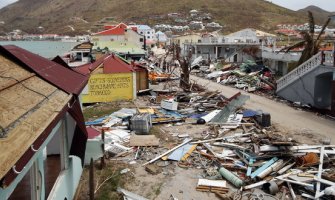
pixel 281 56
pixel 304 68
pixel 329 58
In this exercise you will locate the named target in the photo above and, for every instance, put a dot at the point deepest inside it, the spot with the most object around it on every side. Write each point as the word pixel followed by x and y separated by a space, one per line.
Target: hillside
pixel 58 16
pixel 319 14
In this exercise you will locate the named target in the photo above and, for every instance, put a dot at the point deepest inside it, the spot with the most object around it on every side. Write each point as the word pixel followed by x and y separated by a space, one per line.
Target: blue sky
pixel 328 5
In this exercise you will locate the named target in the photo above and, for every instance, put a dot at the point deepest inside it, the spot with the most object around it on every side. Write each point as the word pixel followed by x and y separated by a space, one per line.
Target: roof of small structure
pixel 33 98
pixel 50 71
pixel 114 64
pixel 111 63
pixel 142 27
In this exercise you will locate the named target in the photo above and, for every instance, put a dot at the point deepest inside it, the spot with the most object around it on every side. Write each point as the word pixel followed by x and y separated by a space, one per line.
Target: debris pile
pixel 239 153
pixel 242 156
pixel 248 76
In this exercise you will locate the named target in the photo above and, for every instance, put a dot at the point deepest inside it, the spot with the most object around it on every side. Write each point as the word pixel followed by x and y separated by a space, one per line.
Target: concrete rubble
pixel 241 154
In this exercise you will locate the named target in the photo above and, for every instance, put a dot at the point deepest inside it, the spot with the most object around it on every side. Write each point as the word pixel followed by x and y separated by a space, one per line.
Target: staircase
pixel 300 71
pixel 230 56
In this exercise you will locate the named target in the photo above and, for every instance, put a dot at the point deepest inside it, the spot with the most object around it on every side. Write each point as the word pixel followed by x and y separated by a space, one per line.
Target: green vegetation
pixel 99 110
pixel 109 179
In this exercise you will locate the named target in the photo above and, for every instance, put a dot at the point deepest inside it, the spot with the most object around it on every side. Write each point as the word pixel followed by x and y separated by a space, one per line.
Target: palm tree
pixel 310 43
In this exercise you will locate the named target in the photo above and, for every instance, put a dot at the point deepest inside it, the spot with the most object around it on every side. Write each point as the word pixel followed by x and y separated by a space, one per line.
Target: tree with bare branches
pixel 310 43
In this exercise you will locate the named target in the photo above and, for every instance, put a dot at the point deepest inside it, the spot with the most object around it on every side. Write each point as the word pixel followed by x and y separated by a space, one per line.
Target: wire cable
pixel 9 77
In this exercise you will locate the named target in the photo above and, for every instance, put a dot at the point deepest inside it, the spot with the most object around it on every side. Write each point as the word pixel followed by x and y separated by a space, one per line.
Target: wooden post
pixel 91 180
pixel 333 98
pixel 102 159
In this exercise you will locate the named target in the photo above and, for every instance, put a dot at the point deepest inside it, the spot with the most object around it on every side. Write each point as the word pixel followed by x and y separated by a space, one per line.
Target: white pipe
pixel 295 182
pixel 169 151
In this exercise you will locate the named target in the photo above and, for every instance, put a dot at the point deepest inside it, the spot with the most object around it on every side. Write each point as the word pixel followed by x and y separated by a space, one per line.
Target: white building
pixel 161 37
pixel 146 30
pixel 250 35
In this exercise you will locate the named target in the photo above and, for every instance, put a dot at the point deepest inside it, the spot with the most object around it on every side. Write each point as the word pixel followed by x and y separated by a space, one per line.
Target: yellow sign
pixel 109 87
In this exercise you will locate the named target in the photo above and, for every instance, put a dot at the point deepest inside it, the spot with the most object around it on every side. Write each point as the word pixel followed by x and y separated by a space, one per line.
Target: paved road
pixel 284 116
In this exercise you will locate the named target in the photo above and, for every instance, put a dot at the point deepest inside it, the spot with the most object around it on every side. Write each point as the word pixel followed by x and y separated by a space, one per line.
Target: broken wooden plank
pixel 143 141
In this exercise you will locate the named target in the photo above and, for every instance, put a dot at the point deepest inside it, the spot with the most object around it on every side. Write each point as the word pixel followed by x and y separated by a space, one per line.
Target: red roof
pixel 52 72
pixel 107 27
pixel 113 64
pixel 113 30
pixel 88 68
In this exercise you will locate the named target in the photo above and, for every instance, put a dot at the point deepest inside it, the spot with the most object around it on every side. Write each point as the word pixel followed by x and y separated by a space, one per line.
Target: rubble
pixel 248 76
pixel 240 153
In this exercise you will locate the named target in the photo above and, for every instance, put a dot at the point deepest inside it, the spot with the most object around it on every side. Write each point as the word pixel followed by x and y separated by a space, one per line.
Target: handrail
pixel 304 68
pixel 329 58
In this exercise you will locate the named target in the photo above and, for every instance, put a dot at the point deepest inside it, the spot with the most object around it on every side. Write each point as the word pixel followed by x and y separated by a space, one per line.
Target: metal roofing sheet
pixel 113 64
pixel 54 73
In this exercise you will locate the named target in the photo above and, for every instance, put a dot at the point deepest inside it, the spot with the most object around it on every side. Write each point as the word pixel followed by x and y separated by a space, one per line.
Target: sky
pixel 328 5
pixel 3 3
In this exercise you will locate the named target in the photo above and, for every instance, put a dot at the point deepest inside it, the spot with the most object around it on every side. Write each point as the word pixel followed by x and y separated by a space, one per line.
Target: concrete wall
pixel 134 37
pixel 67 182
pixel 322 90
pixel 313 89
pixel 245 35
pixel 107 38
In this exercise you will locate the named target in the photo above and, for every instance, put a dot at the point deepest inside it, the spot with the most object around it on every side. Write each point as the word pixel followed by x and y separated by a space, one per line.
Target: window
pixel 141 39
pixel 148 32
pixel 141 32
pixel 148 37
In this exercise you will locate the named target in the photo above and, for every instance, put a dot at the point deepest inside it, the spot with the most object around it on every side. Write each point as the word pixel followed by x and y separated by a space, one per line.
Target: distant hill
pixel 60 16
pixel 319 14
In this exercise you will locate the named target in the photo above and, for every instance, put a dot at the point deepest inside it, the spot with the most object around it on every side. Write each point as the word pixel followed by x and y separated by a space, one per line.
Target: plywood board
pixel 143 140
pixel 25 132
pixel 19 99
pixel 11 73
pixel 109 87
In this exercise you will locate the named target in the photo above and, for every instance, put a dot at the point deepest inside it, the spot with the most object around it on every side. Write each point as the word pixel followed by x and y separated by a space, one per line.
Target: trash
pixel 181 152
pixel 169 151
pixel 235 148
pixel 153 169
pixel 143 141
pixel 212 183
pixel 169 104
pixel 141 123
pixel 129 195
pixel 272 187
pixel 124 171
pixel 115 149
pixel 308 159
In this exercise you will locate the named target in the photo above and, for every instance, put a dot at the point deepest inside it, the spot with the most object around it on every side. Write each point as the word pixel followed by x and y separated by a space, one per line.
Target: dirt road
pixel 295 121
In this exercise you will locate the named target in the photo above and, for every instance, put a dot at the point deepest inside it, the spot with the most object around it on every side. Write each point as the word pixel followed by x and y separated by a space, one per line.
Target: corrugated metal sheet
pixel 88 68
pixel 114 64
pixel 54 73
pixel 230 108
